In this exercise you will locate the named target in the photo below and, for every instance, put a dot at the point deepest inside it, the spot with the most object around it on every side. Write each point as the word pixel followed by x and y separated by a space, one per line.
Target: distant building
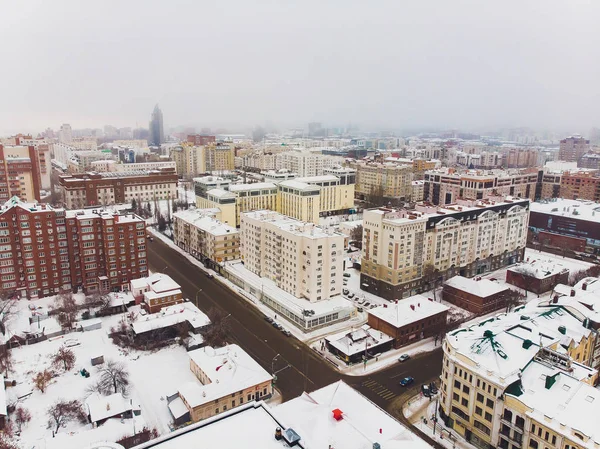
pixel 65 135
pixel 386 180
pixel 589 160
pixel 156 292
pixel 93 189
pixel 200 139
pixel 572 148
pixel 157 133
pixel 23 171
pixel 582 185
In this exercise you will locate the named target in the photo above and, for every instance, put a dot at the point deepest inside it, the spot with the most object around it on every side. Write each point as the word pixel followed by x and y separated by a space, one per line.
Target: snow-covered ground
pixel 153 375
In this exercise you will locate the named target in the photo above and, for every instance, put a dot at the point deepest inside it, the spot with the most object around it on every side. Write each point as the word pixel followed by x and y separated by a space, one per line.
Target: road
pixel 307 371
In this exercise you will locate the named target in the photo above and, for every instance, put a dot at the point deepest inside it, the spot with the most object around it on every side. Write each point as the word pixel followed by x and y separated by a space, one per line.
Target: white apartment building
pixel 300 258
pixel 84 144
pixel 114 166
pixel 204 237
pixel 306 163
pixel 466 239
pixel 133 143
pixel 65 135
pixel 276 176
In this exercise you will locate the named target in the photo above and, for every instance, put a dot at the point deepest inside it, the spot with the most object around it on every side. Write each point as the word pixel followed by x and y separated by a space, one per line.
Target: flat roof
pixel 289 224
pixel 482 288
pixel 322 178
pixel 255 186
pixel 575 209
pixel 170 316
pixel 293 184
pixel 201 220
pixel 407 311
pixel 359 340
pixel 229 370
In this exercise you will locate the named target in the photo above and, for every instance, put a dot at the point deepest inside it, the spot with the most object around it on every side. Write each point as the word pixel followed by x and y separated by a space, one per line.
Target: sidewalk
pixel 419 410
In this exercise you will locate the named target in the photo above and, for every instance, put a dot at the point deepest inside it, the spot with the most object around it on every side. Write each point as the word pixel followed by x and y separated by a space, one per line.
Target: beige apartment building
pixel 203 236
pixel 466 239
pixel 189 159
pixel 299 200
pixel 306 163
pixel 522 380
pixel 333 194
pixel 392 179
pixel 219 157
pixel 300 258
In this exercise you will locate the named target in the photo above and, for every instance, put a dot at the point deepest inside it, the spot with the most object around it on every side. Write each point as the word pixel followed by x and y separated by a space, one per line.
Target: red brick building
pixel 477 296
pixel 44 251
pixel 20 172
pixel 581 186
pixel 97 189
pixel 409 320
pixel 200 139
pixel 537 276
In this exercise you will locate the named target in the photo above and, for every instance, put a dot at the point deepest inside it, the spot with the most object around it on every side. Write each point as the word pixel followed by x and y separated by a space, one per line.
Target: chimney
pixel 572 292
pixel 584 286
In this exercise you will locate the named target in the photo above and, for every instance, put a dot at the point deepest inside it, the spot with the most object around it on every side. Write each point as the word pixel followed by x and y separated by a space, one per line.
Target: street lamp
pixel 273 363
pixel 199 290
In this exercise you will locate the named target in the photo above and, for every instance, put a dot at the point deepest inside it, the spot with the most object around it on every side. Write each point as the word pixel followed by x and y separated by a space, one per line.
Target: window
pixel 533 444
pixel 488 416
pixel 489 403
pixel 466 389
pixel 479 397
pixel 478 411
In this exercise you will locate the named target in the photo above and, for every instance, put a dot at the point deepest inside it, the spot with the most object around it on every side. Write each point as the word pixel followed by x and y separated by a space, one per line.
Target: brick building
pixel 537 276
pixel 200 139
pixel 572 148
pixel 582 185
pixel 44 251
pixel 477 296
pixel 409 320
pixel 156 292
pixel 21 171
pixel 94 189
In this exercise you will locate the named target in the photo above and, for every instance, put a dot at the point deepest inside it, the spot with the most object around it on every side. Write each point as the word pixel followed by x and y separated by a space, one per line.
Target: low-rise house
pixel 409 320
pixel 101 408
pixel 156 292
pixel 228 377
pixel 477 295
pixel 537 276
pixel 170 322
pixel 359 344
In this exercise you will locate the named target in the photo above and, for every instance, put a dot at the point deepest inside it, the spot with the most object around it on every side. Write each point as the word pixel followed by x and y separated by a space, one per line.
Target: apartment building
pixel 131 143
pixel 391 179
pixel 465 239
pixel 299 200
pixel 520 157
pixel 203 236
pixel 258 160
pixel 333 195
pixel 23 169
pixel 200 139
pixel 483 160
pixel 300 258
pixel 92 189
pixel 306 163
pixel 589 160
pixel 447 185
pixel 219 157
pixel 82 143
pixel 46 250
pixel 277 176
pixel 521 380
pixel 189 159
pixel 572 148
pixel 583 185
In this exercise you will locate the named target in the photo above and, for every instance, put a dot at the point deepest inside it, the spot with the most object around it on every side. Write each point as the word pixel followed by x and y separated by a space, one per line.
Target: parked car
pixel 351 295
pixel 359 309
pixel 346 275
pixel 268 319
pixel 286 332
pixel 403 358
pixel 372 306
pixel 361 301
pixel 276 325
pixel 406 381
pixel 345 291
pixel 367 304
pixel 209 275
pixel 433 388
pixel 426 391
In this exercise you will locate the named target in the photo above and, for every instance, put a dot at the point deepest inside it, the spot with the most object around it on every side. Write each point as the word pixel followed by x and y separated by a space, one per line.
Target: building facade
pixel 306 163
pixel 22 171
pixel 200 139
pixel 464 239
pixel 583 185
pixel 157 132
pixel 300 258
pixel 479 296
pixel 572 148
pixel 93 189
pixel 205 237
pixel 389 180
pixel 48 250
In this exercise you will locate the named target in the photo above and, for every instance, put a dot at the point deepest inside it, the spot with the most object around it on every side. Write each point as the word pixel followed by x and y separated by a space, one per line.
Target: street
pixel 274 351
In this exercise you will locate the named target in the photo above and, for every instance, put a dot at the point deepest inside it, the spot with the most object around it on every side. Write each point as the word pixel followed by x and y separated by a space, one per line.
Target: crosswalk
pixel 379 390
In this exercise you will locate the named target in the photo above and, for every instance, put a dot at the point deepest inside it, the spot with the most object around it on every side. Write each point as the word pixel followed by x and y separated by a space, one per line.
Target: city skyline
pixel 388 65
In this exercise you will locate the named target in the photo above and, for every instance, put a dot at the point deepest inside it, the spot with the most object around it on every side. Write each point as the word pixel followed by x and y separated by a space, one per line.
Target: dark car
pixel 433 388
pixel 406 381
pixel 268 319
pixel 276 325
pixel 426 391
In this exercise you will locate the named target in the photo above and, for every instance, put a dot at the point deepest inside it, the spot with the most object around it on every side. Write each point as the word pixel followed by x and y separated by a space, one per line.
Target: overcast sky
pixel 380 63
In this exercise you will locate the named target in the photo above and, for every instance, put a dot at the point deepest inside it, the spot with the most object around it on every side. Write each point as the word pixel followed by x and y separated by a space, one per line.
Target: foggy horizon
pixel 387 65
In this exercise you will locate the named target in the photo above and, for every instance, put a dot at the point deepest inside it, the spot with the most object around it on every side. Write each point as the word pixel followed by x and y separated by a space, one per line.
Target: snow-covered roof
pixel 407 311
pixel 229 370
pixel 316 179
pixel 289 224
pixel 101 407
pixel 576 209
pixel 177 407
pixel 148 296
pixel 254 186
pixel 220 193
pixel 539 268
pixel 482 288
pixel 156 282
pixel 362 423
pixel 293 184
pixel 199 219
pixel 359 340
pixel 170 316
pixel 566 404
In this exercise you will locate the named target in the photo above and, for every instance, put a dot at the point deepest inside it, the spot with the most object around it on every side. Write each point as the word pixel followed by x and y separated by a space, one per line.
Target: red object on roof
pixel 337 414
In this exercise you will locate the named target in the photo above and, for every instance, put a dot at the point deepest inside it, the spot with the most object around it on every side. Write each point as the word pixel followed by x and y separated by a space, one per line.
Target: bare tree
pixel 22 416
pixel 216 333
pixel 114 378
pixel 42 379
pixel 356 235
pixel 67 308
pixel 65 357
pixel 6 359
pixel 8 303
pixel 97 299
pixel 512 298
pixel 376 197
pixel 429 276
pixel 62 412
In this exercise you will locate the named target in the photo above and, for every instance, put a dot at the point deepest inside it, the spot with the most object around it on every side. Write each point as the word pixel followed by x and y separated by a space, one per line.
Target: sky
pixel 379 64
